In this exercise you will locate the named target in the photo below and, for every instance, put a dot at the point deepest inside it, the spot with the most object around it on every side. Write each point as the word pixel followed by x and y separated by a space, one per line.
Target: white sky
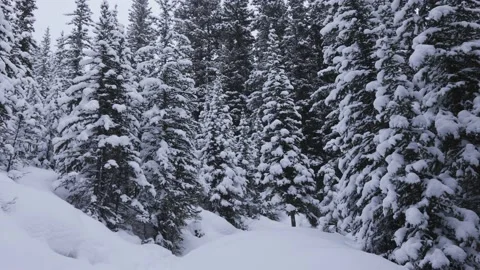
pixel 51 13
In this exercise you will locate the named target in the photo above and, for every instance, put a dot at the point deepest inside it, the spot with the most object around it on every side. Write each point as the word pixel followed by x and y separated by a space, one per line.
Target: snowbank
pixel 207 229
pixel 19 251
pixel 273 247
pixel 58 235
pixel 36 178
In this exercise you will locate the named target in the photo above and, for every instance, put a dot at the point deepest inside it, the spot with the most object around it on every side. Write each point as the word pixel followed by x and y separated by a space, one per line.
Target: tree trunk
pixel 292 219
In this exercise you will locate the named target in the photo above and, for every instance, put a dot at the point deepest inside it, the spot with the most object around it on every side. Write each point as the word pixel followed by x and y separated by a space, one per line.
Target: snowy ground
pixel 39 231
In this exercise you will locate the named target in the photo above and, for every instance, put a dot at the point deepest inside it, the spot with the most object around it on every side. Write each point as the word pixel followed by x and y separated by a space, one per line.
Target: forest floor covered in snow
pixel 40 231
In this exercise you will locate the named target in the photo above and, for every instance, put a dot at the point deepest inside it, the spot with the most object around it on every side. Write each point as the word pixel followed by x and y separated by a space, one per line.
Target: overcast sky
pixel 51 13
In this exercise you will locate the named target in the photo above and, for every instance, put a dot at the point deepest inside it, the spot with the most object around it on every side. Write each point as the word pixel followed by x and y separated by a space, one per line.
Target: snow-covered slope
pixel 40 231
pixel 281 249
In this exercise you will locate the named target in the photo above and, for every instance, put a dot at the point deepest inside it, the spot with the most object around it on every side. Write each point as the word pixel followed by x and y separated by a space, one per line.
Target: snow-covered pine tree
pixel 200 24
pixel 57 83
pixel 248 149
pixel 44 77
pixel 287 179
pixel 304 59
pixel 235 60
pixel 95 153
pixel 141 35
pixel 224 178
pixel 269 14
pixel 23 28
pixel 431 191
pixel 397 108
pixel 134 98
pixel 329 172
pixel 60 69
pixel 319 122
pixel 168 131
pixel 236 53
pixel 75 45
pixel 25 131
pixel 7 79
pixel 35 136
pixel 350 55
pixel 42 66
pixel 140 29
pixel 5 37
pixel 456 37
pixel 71 95
pixel 78 41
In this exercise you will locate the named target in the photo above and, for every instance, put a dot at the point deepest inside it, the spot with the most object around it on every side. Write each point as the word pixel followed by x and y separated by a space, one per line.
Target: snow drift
pixel 40 231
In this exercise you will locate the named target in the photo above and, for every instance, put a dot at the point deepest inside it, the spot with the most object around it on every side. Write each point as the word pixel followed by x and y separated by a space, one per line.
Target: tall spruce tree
pixel 43 73
pixel 140 30
pixel 78 41
pixel 304 60
pixel 200 24
pixel 168 131
pixel 224 178
pixel 57 83
pixel 248 149
pixel 438 226
pixel 43 64
pixel 287 179
pixel 269 15
pixel 395 104
pixel 25 129
pixel 71 52
pixel 236 59
pixel 350 54
pixel 456 38
pixel 6 37
pixel 8 71
pixel 319 123
pixel 236 54
pixel 23 28
pixel 141 35
pixel 95 153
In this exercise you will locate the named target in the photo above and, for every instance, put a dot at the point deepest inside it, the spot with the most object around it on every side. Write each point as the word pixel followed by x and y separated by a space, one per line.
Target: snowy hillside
pixel 57 236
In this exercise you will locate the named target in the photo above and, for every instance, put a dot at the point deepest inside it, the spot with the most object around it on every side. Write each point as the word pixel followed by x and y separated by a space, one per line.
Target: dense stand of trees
pixel 363 116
